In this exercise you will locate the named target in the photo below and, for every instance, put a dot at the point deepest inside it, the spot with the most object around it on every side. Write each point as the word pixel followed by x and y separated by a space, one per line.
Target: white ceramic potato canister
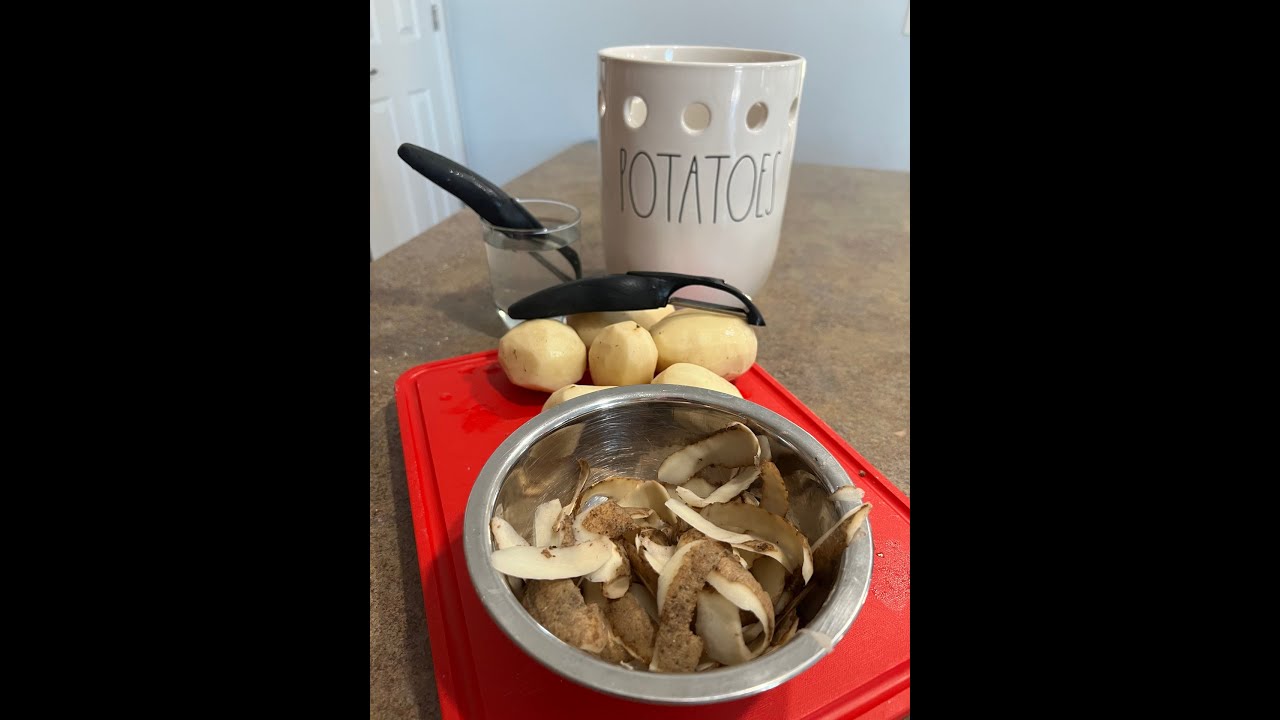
pixel 696 146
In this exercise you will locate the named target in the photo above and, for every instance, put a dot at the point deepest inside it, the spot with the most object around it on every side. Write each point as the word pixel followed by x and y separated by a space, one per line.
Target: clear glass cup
pixel 522 262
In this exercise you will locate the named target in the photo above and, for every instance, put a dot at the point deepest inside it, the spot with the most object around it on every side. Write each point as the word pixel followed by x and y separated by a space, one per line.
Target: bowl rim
pixel 808 646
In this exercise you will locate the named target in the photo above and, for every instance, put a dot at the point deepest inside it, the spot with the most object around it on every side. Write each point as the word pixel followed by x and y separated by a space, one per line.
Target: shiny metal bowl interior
pixel 629 431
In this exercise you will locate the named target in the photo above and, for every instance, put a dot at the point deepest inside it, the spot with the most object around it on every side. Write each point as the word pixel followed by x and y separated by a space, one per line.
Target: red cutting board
pixel 454 414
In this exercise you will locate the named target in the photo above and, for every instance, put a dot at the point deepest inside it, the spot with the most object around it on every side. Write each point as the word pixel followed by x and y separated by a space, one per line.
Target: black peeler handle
pixel 636 290
pixel 486 199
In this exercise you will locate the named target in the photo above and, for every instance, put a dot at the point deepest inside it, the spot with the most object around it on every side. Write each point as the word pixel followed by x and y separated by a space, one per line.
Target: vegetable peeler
pixel 488 200
pixel 636 290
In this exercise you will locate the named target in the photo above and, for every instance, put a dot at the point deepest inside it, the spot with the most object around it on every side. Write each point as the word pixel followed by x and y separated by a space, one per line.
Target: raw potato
pixel 569 392
pixel 682 373
pixel 723 344
pixel 588 325
pixel 623 354
pixel 542 355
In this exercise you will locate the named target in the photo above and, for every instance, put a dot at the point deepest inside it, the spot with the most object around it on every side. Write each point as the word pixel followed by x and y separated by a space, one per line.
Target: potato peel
pixel 740 587
pixel 546 517
pixel 615 488
pixel 615 569
pixel 771 575
pixel 633 625
pixel 773 491
pixel 719 623
pixel 644 597
pixel 720 629
pixel 787 626
pixel 714 476
pixel 848 493
pixel 558 606
pixel 769 527
pixel 607 519
pixel 504 535
pixel 630 492
pixel 707 527
pixel 641 566
pixel 654 553
pixel 653 495
pixel 708 571
pixel 734 446
pixel 535 563
pixel 584 474
pixel 722 494
pixel 676 648
pixel 828 549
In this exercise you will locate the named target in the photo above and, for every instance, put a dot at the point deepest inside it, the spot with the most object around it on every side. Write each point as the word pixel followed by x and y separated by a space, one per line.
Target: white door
pixel 411 99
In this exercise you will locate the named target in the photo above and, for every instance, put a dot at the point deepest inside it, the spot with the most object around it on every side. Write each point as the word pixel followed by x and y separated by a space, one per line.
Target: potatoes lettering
pixel 542 355
pixel 723 344
pixel 623 354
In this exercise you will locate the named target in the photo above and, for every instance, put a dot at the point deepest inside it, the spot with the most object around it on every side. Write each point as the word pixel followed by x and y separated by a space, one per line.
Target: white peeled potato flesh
pixel 588 325
pixel 623 354
pixel 848 493
pixel 569 392
pixel 542 355
pixel 545 517
pixel 504 535
pixel 723 344
pixel 695 376
pixel 538 563
pixel 719 626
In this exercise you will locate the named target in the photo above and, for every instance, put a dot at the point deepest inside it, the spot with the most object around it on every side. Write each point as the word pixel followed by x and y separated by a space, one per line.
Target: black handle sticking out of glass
pixel 486 199
pixel 634 291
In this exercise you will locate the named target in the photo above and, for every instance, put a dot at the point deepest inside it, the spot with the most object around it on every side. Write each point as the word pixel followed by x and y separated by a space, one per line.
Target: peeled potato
pixel 542 355
pixel 723 344
pixel 569 392
pixel 695 376
pixel 589 325
pixel 623 354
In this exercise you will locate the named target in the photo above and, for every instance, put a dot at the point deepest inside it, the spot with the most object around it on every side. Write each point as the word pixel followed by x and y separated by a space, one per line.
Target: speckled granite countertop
pixel 838 306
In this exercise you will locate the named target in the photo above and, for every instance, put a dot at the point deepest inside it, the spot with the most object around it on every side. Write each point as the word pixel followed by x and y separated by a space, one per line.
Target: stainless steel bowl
pixel 629 431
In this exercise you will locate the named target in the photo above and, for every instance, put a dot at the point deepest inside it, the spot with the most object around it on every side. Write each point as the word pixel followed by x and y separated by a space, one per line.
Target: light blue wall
pixel 526 70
